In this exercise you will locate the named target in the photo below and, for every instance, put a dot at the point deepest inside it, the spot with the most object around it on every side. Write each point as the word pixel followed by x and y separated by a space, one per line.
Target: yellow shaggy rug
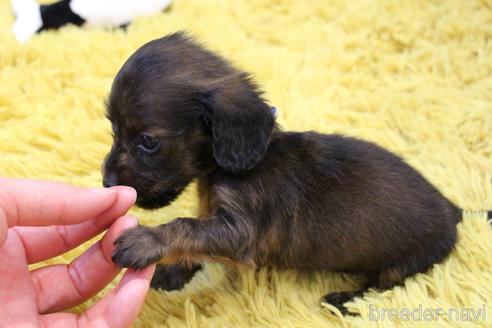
pixel 413 76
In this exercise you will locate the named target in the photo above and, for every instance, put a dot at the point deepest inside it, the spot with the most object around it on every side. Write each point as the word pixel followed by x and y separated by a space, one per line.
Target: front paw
pixel 173 277
pixel 137 248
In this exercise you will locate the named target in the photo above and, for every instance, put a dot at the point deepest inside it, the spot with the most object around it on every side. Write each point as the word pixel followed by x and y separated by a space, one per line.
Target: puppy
pixel 267 197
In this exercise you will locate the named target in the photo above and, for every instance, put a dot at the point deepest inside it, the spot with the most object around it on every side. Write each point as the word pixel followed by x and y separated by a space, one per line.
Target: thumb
pixel 3 227
pixel 130 295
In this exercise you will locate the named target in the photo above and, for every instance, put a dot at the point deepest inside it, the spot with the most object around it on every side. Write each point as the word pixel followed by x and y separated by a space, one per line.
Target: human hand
pixel 40 220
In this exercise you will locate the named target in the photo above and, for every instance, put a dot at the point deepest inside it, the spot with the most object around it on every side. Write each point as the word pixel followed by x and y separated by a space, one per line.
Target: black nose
pixel 110 180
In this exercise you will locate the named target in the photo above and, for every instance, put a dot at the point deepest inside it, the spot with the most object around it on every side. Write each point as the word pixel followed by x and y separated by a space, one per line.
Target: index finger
pixel 41 243
pixel 43 203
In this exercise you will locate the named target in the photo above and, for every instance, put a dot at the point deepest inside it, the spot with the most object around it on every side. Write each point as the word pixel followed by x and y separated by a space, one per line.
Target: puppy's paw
pixel 137 248
pixel 338 299
pixel 172 277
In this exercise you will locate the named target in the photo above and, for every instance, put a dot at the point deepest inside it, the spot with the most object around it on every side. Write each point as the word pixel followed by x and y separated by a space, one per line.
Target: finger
pixel 3 227
pixel 128 295
pixel 17 293
pixel 41 203
pixel 109 311
pixel 41 243
pixel 62 286
pixel 126 197
pixel 70 320
pixel 59 320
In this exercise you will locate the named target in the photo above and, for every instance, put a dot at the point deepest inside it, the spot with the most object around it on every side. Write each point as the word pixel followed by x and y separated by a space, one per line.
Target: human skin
pixel 40 220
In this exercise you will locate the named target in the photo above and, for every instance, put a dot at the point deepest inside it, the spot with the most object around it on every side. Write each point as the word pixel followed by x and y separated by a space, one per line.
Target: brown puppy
pixel 268 197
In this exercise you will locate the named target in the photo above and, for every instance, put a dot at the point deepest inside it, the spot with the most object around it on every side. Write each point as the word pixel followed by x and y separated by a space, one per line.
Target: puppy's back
pixel 339 203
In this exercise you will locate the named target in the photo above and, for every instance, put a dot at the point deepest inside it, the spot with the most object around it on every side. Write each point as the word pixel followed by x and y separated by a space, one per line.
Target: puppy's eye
pixel 148 144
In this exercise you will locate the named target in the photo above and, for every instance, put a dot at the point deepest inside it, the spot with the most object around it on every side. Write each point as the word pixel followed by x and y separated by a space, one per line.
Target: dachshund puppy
pixel 267 197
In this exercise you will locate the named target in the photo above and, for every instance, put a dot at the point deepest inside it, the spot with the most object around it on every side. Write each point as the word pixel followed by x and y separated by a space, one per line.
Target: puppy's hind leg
pixel 380 281
pixel 173 277
pixel 338 299
pixel 420 260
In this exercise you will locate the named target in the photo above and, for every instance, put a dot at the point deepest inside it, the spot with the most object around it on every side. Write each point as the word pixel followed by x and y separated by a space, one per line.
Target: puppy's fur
pixel 267 197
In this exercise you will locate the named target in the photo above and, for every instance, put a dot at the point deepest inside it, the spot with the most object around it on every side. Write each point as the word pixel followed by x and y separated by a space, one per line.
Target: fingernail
pixel 103 191
pixel 132 191
pixel 133 222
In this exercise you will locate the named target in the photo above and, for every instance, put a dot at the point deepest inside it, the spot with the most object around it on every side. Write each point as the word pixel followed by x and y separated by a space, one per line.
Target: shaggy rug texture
pixel 412 76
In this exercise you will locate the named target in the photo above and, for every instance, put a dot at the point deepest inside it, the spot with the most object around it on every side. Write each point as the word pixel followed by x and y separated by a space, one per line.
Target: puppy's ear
pixel 240 120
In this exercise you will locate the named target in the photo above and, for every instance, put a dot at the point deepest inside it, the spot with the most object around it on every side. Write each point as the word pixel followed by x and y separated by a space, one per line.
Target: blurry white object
pixel 32 17
pixel 28 19
pixel 104 13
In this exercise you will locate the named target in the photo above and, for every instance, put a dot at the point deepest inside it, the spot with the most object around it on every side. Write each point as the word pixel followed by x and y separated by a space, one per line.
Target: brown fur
pixel 267 197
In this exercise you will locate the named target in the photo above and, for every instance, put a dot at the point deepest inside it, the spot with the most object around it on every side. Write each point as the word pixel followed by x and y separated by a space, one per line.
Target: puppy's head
pixel 178 112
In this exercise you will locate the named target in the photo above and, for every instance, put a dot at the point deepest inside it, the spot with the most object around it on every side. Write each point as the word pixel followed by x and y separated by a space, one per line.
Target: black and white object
pixel 31 17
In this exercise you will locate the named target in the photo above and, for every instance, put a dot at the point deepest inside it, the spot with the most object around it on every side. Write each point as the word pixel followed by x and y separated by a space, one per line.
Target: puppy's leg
pixel 338 299
pixel 386 279
pixel 185 241
pixel 420 260
pixel 173 277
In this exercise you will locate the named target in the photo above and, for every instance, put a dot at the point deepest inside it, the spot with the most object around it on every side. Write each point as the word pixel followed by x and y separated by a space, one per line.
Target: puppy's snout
pixel 110 179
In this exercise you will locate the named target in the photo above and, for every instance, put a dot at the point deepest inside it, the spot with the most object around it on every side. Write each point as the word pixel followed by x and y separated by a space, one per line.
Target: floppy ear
pixel 240 120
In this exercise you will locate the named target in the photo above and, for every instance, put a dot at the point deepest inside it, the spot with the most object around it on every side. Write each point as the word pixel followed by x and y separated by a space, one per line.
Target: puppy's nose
pixel 110 180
